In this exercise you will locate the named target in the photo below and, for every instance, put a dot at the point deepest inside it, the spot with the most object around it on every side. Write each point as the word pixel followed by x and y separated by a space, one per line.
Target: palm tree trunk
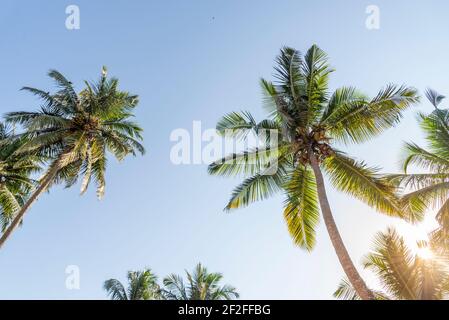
pixel 340 249
pixel 43 186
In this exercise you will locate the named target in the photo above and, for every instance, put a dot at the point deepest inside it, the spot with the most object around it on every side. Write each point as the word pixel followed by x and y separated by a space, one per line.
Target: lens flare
pixel 424 253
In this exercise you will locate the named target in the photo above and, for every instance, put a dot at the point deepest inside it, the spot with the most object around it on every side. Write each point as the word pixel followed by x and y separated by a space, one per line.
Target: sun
pixel 416 236
pixel 424 253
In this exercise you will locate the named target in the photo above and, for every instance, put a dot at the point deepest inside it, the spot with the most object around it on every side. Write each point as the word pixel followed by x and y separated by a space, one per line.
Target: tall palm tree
pixel 309 121
pixel 402 274
pixel 142 285
pixel 15 171
pixel 431 188
pixel 76 131
pixel 201 285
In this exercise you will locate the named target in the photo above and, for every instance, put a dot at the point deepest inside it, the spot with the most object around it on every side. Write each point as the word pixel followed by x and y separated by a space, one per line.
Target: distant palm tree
pixel 15 171
pixel 76 131
pixel 431 188
pixel 142 285
pixel 310 121
pixel 201 285
pixel 402 274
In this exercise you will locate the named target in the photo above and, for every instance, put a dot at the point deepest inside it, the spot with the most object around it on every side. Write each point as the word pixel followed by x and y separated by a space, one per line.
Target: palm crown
pixel 142 285
pixel 201 285
pixel 77 130
pixel 74 133
pixel 309 122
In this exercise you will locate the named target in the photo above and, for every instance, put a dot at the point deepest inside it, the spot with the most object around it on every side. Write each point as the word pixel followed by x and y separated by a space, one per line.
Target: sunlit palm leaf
pixel 366 184
pixel 301 207
pixel 360 120
pixel 393 262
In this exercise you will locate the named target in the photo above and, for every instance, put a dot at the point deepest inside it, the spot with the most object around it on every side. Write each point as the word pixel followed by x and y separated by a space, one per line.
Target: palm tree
pixel 142 285
pixel 431 188
pixel 15 171
pixel 201 285
pixel 75 131
pixel 402 274
pixel 309 121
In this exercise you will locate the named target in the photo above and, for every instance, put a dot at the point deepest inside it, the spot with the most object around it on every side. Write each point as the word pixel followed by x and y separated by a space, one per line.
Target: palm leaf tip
pixel 236 124
pixel 434 97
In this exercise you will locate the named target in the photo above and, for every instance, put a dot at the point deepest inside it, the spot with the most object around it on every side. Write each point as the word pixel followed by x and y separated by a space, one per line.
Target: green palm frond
pixel 436 129
pixel 9 205
pixel 15 174
pixel 316 70
pixel 365 183
pixel 289 74
pixel 433 195
pixel 346 291
pixel 418 156
pixel 199 285
pixel 301 211
pixel 236 124
pixel 290 86
pixel 241 124
pixel 175 288
pixel 417 180
pixel 142 285
pixel 258 187
pixel 115 289
pixel 361 120
pixel 270 99
pixel 345 98
pixel 248 162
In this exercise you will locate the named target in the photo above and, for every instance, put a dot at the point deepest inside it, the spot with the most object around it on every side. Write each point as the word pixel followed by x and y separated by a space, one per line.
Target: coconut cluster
pixel 315 141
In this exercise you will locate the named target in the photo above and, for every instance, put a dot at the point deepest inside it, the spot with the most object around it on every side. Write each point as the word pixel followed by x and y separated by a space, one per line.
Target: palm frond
pixel 393 262
pixel 258 187
pixel 115 289
pixel 248 162
pixel 346 291
pixel 362 120
pixel 316 70
pixel 301 207
pixel 434 97
pixel 366 184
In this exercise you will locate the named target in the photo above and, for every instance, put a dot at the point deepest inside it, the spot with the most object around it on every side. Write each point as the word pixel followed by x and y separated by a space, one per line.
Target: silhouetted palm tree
pixel 402 274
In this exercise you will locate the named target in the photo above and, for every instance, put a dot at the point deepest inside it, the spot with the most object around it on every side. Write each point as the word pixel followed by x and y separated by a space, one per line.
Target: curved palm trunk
pixel 340 249
pixel 43 186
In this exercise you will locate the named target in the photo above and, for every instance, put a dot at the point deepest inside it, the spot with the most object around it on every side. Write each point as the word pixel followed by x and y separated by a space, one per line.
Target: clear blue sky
pixel 197 60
